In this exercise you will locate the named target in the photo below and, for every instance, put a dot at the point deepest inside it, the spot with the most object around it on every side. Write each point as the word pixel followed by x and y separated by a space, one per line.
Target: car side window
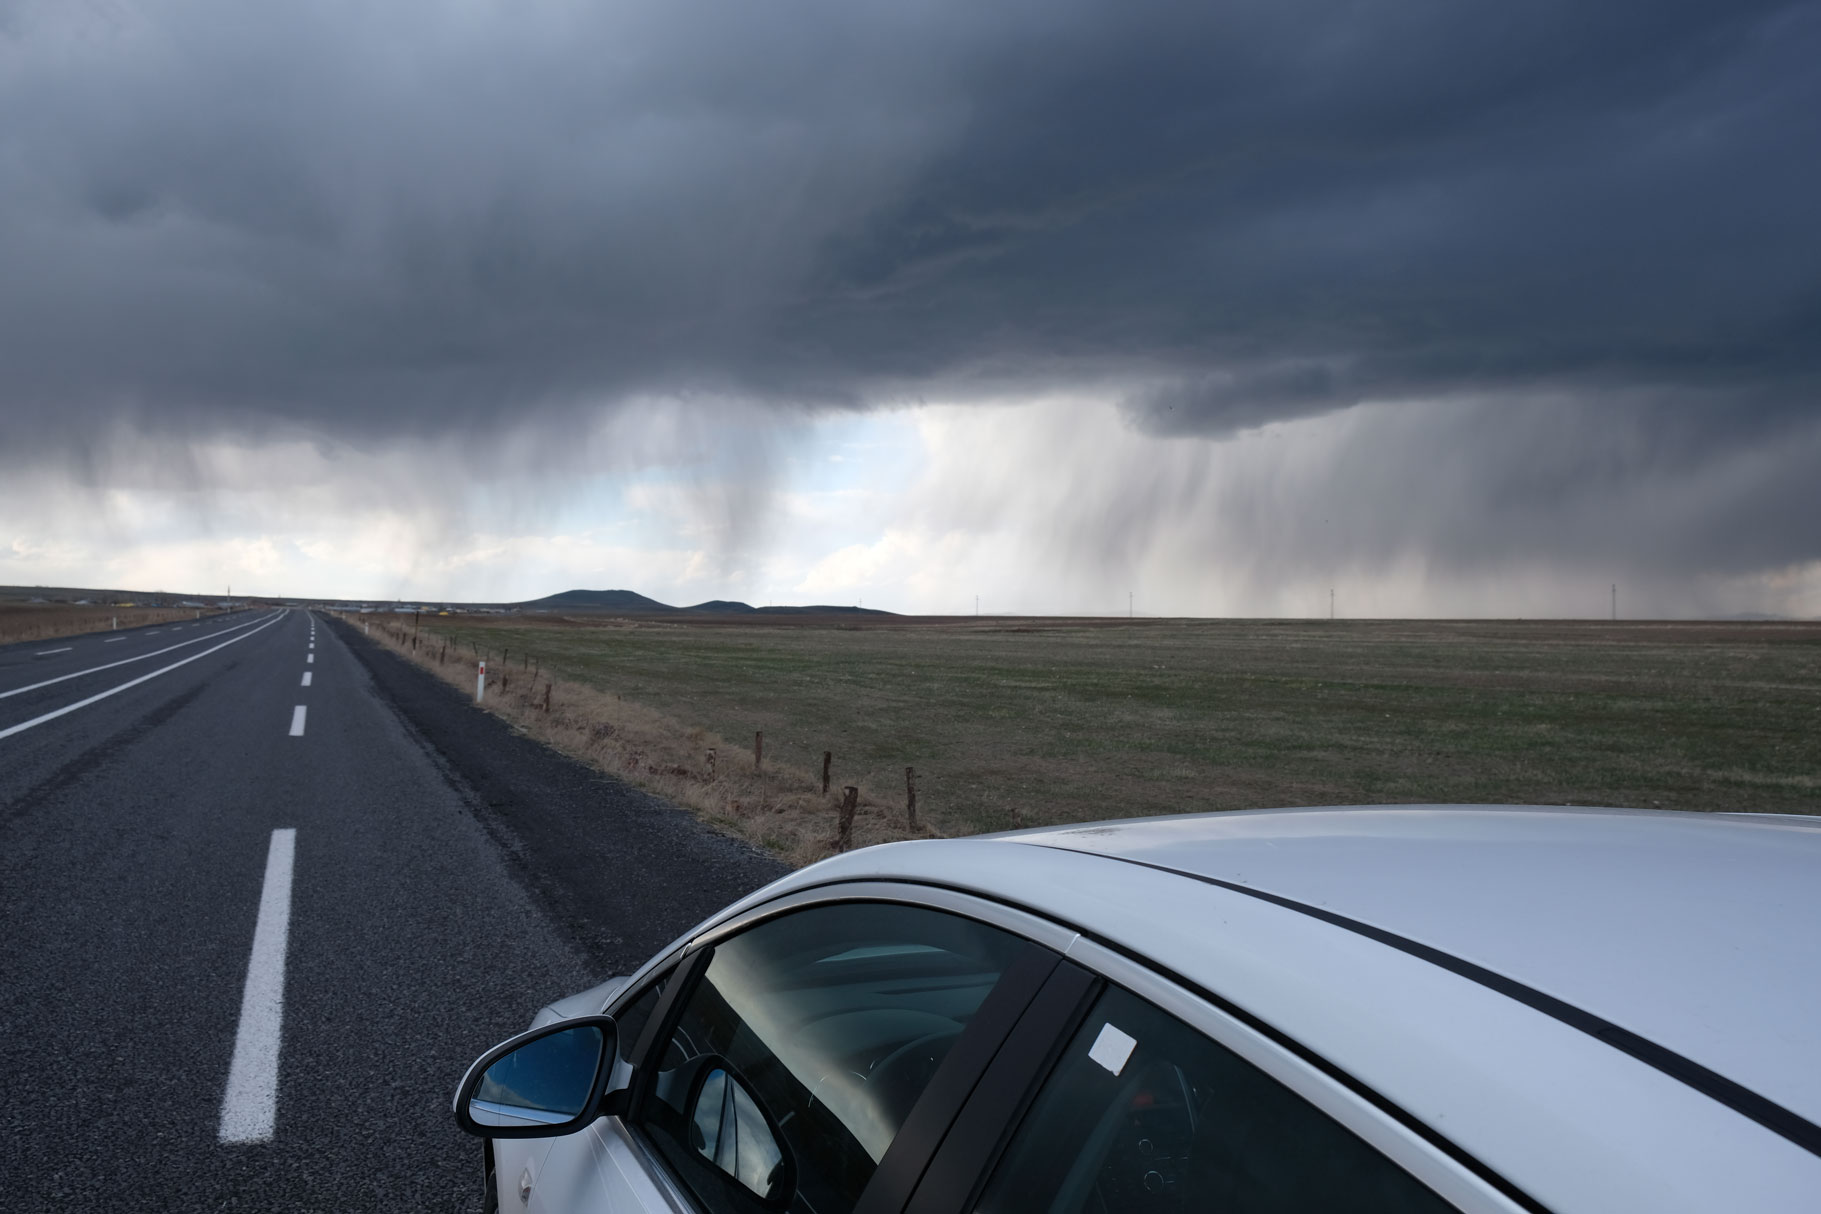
pixel 805 1043
pixel 1144 1115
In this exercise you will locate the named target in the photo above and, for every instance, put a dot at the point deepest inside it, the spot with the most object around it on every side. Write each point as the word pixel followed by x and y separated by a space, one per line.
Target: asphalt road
pixel 178 1033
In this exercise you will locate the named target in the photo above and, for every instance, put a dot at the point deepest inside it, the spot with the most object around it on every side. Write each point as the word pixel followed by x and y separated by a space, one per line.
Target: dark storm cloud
pixel 373 220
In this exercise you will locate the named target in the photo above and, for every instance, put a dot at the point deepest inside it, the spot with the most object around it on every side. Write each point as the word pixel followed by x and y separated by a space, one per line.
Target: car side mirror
pixel 734 1132
pixel 539 1084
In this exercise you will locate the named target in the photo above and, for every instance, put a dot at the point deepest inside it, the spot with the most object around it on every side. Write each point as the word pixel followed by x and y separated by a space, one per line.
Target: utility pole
pixel 1330 602
pixel 1615 602
pixel 976 604
pixel 1128 606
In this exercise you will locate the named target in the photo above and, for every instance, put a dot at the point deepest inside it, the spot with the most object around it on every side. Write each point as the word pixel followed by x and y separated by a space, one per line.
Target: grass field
pixel 47 621
pixel 1023 722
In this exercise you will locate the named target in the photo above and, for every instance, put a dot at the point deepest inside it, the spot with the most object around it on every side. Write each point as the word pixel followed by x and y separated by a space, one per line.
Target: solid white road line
pixel 306 681
pixel 123 661
pixel 297 721
pixel 45 653
pixel 10 730
pixel 249 1107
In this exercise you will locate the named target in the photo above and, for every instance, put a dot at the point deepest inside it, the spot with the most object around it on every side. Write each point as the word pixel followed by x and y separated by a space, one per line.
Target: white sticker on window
pixel 1112 1048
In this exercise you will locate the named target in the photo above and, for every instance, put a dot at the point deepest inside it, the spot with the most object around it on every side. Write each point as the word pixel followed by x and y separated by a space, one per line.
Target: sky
pixel 1438 309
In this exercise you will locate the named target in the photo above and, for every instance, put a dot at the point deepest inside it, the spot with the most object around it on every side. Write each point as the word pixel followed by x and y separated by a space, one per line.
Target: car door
pixel 811 1061
pixel 560 1174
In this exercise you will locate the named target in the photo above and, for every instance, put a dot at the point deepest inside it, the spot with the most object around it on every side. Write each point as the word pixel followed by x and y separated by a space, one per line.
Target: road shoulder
pixel 619 871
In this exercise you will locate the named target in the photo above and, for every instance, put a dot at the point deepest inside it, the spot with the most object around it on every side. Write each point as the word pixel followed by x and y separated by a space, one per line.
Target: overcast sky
pixel 1455 308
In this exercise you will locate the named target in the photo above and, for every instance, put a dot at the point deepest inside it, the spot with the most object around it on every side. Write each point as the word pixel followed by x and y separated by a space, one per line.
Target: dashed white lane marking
pixel 52 715
pixel 111 640
pixel 249 1107
pixel 127 661
pixel 309 657
pixel 297 721
pixel 306 681
pixel 45 653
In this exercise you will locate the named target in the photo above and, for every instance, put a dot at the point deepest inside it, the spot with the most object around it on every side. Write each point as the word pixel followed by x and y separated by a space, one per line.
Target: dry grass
pixel 1027 722
pixel 776 805
pixel 46 622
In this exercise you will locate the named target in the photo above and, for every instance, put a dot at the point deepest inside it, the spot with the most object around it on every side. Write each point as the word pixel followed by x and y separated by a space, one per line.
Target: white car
pixel 1408 1008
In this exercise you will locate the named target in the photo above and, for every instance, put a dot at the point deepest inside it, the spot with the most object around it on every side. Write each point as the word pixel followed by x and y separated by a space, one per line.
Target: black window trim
pixel 978 1133
pixel 658 1026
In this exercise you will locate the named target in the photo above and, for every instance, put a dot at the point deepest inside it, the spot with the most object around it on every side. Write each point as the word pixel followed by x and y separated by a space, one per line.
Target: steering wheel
pixel 1132 1159
pixel 900 1077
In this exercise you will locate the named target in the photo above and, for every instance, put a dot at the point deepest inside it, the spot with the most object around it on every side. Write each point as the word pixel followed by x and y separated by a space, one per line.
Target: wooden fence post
pixel 711 775
pixel 910 796
pixel 546 697
pixel 828 756
pixel 758 750
pixel 850 800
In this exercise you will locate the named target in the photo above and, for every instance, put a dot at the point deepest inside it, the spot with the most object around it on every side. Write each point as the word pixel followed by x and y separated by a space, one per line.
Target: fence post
pixel 480 682
pixel 850 800
pixel 546 697
pixel 910 796
pixel 711 776
pixel 828 756
pixel 758 750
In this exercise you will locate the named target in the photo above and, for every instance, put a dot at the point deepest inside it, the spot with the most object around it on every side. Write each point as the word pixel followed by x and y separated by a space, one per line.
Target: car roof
pixel 1698 932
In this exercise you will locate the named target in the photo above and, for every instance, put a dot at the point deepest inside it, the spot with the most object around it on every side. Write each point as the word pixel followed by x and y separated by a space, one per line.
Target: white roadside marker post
pixel 480 682
pixel 116 627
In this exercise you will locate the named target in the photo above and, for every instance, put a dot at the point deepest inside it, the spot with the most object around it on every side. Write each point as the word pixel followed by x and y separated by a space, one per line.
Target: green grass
pixel 1028 722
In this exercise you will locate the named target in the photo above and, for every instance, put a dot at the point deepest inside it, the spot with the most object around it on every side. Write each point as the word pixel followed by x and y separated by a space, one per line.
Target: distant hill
pixel 601 600
pixel 628 602
pixel 819 610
